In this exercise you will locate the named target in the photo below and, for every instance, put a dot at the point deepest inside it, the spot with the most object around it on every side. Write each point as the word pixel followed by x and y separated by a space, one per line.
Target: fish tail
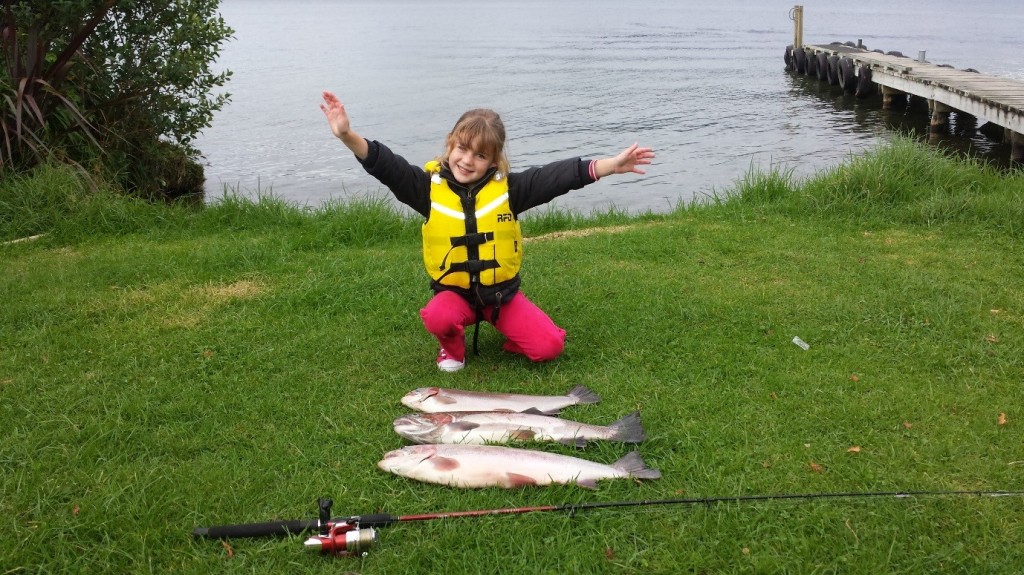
pixel 583 394
pixel 633 465
pixel 628 429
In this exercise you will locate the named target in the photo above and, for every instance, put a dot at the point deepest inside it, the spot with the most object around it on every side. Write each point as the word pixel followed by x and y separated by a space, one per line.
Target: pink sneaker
pixel 447 363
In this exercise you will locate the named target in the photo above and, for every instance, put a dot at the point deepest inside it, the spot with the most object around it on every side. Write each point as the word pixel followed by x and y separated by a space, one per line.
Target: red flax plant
pixel 40 45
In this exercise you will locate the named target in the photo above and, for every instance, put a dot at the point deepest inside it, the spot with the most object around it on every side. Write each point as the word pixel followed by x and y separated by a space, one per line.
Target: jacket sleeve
pixel 536 186
pixel 410 184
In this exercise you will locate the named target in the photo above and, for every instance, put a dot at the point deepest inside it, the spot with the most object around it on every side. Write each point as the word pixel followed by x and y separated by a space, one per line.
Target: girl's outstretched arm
pixel 338 120
pixel 628 161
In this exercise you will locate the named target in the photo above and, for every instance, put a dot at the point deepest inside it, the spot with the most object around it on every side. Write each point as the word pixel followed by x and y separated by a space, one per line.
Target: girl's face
pixel 467 163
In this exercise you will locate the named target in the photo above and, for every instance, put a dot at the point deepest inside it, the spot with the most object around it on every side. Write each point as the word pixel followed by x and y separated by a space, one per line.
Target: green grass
pixel 163 368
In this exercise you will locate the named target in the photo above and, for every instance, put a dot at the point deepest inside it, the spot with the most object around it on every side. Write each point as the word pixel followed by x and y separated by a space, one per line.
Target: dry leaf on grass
pixel 854 449
pixel 231 552
pixel 1002 419
pixel 816 467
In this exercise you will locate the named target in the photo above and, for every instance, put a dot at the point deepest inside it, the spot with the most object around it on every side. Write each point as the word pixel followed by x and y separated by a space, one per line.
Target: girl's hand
pixel 337 118
pixel 628 160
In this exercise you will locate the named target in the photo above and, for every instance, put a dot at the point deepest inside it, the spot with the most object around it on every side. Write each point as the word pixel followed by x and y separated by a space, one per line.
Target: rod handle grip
pixel 374 520
pixel 268 529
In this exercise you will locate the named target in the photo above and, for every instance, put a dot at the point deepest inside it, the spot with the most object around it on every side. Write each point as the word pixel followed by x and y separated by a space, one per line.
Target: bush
pixel 125 85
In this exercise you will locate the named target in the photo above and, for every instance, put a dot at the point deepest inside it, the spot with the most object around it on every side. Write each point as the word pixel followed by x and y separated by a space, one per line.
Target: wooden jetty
pixel 967 93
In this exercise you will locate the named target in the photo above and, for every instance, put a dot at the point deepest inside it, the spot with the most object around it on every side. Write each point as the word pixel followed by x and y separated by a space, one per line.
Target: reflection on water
pixel 910 117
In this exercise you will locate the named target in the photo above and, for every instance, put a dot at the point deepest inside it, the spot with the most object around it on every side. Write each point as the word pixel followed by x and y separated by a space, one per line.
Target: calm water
pixel 700 81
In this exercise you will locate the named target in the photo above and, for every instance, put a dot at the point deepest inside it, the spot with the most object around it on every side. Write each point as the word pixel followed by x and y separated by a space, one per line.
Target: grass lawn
pixel 162 370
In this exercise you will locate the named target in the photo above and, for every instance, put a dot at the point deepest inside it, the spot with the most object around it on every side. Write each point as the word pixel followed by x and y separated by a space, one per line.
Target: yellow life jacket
pixel 466 245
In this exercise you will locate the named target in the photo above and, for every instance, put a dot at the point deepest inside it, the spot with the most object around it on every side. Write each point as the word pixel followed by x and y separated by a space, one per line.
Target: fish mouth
pixel 420 395
pixel 386 462
pixel 404 421
pixel 403 459
pixel 422 427
pixel 415 433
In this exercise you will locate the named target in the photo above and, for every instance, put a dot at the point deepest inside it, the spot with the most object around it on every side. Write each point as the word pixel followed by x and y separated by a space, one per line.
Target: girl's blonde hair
pixel 482 130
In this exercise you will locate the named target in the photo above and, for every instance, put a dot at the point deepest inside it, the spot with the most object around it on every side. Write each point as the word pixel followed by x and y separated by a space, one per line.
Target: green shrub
pixel 126 85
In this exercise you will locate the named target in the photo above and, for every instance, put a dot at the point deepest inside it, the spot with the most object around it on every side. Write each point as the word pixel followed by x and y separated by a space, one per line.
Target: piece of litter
pixel 803 344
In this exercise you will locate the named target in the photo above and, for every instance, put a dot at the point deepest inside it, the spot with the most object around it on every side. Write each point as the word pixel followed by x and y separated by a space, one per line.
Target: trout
pixel 439 399
pixel 471 466
pixel 495 427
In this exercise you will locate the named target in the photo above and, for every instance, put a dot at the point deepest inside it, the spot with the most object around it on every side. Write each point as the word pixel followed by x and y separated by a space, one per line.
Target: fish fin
pixel 577 442
pixel 522 435
pixel 444 463
pixel 463 425
pixel 519 480
pixel 583 394
pixel 445 399
pixel 628 429
pixel 633 465
pixel 588 483
pixel 534 411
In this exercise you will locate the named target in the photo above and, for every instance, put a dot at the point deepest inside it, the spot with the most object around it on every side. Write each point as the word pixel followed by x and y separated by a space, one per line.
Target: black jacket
pixel 527 189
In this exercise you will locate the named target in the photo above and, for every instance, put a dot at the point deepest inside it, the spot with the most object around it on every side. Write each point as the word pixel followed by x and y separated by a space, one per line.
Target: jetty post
pixel 797 16
pixel 940 117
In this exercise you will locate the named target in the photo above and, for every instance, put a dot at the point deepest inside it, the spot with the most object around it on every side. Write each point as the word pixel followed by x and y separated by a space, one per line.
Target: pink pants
pixel 529 331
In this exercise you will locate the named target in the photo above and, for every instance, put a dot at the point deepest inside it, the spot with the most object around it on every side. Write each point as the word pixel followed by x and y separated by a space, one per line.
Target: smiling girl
pixel 472 244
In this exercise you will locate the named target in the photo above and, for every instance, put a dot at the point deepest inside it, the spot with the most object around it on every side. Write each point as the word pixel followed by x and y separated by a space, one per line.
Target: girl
pixel 472 244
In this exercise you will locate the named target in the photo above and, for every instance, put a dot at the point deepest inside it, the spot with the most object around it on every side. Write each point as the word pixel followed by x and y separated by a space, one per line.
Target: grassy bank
pixel 162 369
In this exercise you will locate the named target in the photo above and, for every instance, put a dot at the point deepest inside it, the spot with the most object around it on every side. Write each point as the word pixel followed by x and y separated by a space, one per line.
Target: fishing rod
pixel 355 535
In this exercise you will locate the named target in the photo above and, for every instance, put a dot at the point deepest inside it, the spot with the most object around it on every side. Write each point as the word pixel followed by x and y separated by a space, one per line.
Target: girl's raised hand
pixel 633 156
pixel 337 118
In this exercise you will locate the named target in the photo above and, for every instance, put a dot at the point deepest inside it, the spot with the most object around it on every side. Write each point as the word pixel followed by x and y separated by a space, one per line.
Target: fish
pixel 475 466
pixel 439 399
pixel 475 427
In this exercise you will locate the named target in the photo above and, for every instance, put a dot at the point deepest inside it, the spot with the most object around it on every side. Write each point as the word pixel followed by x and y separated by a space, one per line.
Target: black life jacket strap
pixel 473 267
pixel 479 309
pixel 477 239
pixel 468 240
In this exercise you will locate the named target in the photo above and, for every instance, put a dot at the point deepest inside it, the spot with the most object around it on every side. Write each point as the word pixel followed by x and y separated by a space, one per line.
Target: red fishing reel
pixel 342 538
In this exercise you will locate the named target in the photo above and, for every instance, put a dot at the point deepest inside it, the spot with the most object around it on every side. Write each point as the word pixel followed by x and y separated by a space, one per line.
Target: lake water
pixel 702 82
